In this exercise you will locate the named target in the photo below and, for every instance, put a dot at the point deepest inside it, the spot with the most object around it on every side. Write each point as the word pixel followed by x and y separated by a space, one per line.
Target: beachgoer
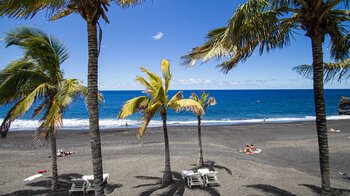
pixel 252 147
pixel 264 120
pixel 126 124
pixel 247 149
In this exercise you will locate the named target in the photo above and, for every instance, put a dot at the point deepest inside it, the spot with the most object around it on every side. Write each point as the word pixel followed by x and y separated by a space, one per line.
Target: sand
pixel 287 165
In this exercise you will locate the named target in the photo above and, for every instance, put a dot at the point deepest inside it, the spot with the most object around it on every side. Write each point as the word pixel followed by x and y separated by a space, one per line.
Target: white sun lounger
pixel 90 186
pixel 192 178
pixel 78 185
pixel 209 177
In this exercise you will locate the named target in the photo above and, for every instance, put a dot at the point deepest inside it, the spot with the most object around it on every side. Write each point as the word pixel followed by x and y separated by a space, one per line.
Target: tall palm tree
pixel 91 11
pixel 331 71
pixel 268 24
pixel 205 103
pixel 156 102
pixel 37 77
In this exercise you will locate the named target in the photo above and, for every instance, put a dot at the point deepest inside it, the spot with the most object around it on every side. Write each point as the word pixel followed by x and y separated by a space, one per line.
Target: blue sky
pixel 145 34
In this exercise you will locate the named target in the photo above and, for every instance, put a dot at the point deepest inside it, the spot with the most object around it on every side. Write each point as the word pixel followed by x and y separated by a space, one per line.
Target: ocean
pixel 233 107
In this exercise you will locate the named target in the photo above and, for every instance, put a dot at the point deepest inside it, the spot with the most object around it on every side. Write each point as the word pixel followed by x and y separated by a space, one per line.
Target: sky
pixel 142 35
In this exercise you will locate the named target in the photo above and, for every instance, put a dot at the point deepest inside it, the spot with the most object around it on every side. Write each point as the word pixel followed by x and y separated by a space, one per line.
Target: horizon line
pixel 227 89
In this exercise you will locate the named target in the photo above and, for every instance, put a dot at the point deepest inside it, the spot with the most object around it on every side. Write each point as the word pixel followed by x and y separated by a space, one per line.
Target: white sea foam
pixel 113 123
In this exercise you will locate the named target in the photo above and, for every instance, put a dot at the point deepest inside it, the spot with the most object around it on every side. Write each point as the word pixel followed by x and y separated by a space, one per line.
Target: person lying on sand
pixel 334 130
pixel 61 153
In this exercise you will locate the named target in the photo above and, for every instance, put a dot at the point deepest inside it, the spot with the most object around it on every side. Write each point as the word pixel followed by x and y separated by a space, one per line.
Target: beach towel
pixel 255 151
pixel 33 177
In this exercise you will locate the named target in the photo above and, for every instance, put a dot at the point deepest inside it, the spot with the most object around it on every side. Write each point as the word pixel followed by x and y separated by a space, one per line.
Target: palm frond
pixel 188 105
pixel 331 71
pixel 253 24
pixel 149 112
pixel 49 122
pixel 18 83
pixel 65 12
pixel 210 102
pixel 29 8
pixel 166 74
pixel 203 97
pixel 176 97
pixel 27 102
pixel 340 36
pixel 46 51
pixel 6 123
pixel 128 3
pixel 134 105
pixel 195 97
pixel 154 79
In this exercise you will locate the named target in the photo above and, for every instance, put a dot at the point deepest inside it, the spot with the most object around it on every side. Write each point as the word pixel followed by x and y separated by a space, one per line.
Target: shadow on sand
pixel 64 186
pixel 335 191
pixel 176 188
pixel 272 190
pixel 211 165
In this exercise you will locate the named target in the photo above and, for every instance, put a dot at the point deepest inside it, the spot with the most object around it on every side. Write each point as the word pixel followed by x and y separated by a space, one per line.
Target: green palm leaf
pixel 134 105
pixel 331 71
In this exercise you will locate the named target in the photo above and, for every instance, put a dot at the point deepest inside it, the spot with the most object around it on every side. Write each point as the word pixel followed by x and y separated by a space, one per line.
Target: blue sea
pixel 233 107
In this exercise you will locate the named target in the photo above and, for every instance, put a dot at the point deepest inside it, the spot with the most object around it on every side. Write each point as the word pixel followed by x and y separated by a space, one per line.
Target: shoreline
pixel 287 165
pixel 181 126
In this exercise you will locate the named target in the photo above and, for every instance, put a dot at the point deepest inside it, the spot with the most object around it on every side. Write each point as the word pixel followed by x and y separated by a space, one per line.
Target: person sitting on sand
pixel 252 147
pixel 247 149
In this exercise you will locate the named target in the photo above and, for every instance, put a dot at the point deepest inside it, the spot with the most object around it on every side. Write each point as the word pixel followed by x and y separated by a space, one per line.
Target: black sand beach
pixel 287 165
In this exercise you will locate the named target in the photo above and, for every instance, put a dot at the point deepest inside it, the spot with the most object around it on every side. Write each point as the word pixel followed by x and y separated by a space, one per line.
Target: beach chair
pixel 195 180
pixel 192 178
pixel 210 178
pixel 78 185
pixel 89 179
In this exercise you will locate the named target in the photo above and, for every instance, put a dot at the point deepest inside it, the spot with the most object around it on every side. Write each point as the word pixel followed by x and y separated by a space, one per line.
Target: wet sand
pixel 287 165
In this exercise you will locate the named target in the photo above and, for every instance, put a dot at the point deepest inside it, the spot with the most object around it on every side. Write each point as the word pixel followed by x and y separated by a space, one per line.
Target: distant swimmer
pixel 258 101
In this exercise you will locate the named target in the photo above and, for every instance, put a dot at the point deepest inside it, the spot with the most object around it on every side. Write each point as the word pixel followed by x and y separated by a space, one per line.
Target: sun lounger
pixel 90 185
pixel 209 177
pixel 78 185
pixel 192 178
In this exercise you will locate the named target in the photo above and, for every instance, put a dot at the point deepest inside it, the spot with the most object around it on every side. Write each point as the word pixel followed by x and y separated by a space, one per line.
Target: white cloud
pixel 158 36
pixel 193 81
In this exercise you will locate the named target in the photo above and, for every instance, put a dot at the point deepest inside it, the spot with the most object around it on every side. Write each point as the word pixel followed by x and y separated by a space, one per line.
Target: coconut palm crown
pixel 156 102
pixel 269 24
pixel 205 103
pixel 37 77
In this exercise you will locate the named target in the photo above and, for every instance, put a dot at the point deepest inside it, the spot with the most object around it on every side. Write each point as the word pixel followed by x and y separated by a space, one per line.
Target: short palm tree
pixel 268 24
pixel 331 71
pixel 205 103
pixel 91 11
pixel 156 102
pixel 37 77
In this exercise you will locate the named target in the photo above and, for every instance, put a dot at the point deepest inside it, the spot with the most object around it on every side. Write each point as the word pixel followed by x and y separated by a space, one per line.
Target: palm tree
pixel 91 11
pixel 331 71
pixel 205 105
pixel 37 77
pixel 156 102
pixel 268 24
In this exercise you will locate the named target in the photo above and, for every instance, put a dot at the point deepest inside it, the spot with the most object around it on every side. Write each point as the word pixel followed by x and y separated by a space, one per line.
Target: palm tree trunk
pixel 54 181
pixel 167 177
pixel 200 162
pixel 321 122
pixel 93 109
